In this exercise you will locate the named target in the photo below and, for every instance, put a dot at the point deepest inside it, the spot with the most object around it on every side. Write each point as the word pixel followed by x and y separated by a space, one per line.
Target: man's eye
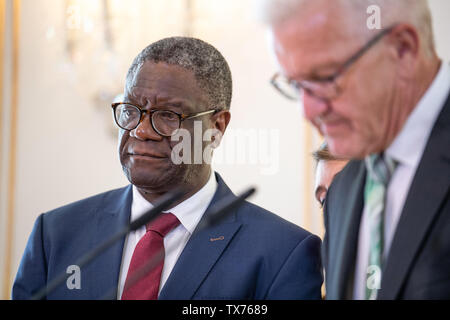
pixel 168 116
pixel 325 80
pixel 125 115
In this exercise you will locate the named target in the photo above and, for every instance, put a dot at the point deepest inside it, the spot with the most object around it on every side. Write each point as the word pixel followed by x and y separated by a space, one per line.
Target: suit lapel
pixel 202 251
pixel 111 217
pixel 196 260
pixel 342 258
pixel 429 189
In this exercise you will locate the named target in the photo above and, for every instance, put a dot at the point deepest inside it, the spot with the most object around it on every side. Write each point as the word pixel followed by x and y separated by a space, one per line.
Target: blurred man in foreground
pixel 175 87
pixel 370 81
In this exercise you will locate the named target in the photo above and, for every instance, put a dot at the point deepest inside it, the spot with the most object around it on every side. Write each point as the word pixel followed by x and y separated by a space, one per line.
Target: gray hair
pixel 210 68
pixel 415 12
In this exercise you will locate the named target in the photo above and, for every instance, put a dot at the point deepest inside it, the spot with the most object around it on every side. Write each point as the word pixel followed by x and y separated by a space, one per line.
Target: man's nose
pixel 313 106
pixel 144 131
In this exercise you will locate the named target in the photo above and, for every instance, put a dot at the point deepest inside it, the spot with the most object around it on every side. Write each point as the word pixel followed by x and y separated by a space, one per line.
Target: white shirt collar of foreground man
pixel 407 149
pixel 189 212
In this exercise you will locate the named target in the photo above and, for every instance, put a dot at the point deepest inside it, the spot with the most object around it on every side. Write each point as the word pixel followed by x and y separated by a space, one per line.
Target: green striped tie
pixel 379 172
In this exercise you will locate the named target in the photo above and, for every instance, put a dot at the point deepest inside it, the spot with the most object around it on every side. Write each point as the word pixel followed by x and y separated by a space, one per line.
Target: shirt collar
pixel 189 212
pixel 408 146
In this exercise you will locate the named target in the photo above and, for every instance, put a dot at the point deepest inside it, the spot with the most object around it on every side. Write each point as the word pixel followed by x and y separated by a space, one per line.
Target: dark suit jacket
pixel 261 255
pixel 418 264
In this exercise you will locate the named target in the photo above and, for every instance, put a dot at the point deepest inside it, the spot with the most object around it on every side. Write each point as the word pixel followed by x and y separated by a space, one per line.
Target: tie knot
pixel 163 224
pixel 380 168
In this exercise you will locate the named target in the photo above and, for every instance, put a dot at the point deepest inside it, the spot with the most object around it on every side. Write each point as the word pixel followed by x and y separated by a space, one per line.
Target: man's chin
pixel 345 148
pixel 154 181
pixel 157 184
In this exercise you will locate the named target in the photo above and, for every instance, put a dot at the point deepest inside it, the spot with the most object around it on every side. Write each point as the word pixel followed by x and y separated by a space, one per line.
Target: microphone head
pixel 227 205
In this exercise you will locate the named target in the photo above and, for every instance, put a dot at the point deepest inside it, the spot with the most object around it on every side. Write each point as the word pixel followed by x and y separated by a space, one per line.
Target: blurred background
pixel 62 62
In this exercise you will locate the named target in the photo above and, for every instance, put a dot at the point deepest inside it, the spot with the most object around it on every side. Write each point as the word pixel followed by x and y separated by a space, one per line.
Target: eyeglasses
pixel 325 88
pixel 165 122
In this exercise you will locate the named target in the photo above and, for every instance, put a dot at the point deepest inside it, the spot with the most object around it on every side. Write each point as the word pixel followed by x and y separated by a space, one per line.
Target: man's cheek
pixel 121 142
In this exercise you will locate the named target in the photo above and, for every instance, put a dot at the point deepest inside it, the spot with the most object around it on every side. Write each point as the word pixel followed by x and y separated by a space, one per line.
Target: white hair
pixel 414 12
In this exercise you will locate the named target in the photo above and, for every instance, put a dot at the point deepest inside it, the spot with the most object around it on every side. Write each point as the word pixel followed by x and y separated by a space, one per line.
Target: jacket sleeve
pixel 32 273
pixel 300 277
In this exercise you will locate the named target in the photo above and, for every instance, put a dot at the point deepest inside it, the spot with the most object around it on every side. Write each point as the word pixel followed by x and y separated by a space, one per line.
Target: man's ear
pixel 406 47
pixel 221 120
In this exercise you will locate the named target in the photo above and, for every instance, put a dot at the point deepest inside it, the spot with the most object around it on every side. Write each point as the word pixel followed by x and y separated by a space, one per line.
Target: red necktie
pixel 148 249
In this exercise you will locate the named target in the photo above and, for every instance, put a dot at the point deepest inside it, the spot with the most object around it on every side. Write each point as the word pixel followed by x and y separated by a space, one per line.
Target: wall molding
pixel 12 152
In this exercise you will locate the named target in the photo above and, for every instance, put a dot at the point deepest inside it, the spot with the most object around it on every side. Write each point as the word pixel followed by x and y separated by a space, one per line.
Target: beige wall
pixel 66 148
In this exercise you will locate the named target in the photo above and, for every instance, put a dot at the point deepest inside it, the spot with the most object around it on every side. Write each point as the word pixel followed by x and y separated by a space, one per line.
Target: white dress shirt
pixel 189 212
pixel 407 150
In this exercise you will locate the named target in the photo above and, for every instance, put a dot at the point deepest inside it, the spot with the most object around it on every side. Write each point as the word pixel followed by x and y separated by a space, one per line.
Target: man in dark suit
pixel 372 83
pixel 175 87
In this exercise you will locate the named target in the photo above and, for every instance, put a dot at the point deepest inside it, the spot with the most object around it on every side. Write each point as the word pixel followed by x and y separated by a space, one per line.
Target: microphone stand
pixel 165 202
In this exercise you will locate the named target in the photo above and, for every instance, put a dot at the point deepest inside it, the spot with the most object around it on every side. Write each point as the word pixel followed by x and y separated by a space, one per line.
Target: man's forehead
pixel 150 71
pixel 160 83
pixel 138 92
pixel 161 76
pixel 313 40
pixel 313 56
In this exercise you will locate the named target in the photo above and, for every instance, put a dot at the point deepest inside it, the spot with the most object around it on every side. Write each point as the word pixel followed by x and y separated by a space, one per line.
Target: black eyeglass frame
pixel 331 79
pixel 181 116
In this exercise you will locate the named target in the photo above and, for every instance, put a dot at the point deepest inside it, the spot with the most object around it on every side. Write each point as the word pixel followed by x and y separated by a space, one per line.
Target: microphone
pixel 225 206
pixel 220 211
pixel 163 203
